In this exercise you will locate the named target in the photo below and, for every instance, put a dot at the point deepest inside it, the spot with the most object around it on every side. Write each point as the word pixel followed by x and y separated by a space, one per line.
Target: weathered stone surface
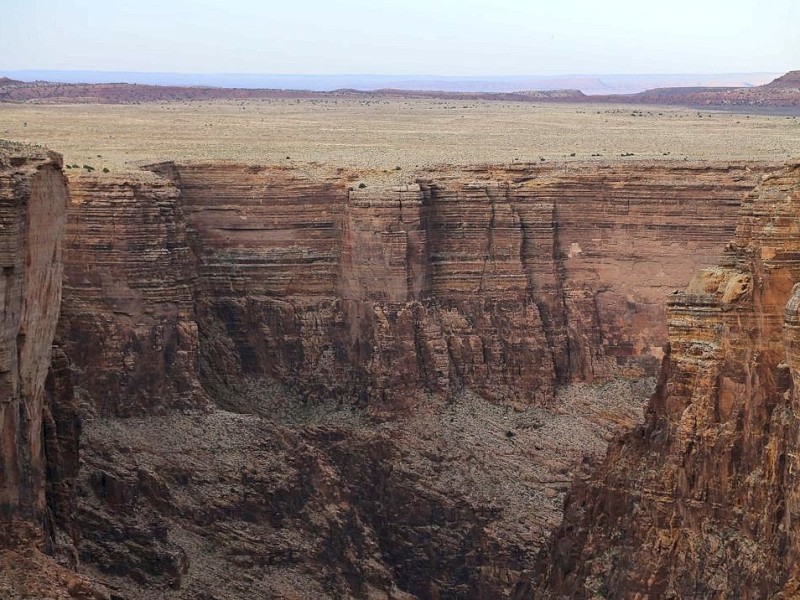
pixel 38 449
pixel 127 320
pixel 502 282
pixel 702 500
pixel 61 430
pixel 33 200
pixel 507 281
pixel 286 499
pixel 28 573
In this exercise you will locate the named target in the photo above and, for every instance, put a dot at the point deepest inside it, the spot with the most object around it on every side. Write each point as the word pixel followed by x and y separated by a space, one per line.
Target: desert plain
pixel 380 134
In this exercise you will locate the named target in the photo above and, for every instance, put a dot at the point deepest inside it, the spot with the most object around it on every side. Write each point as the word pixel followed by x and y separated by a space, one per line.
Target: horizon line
pixel 409 74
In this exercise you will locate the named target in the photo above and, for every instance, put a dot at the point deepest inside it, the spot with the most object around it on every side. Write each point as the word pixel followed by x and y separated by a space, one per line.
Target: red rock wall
pixel 627 238
pixel 505 280
pixel 702 500
pixel 508 281
pixel 128 322
pixel 33 200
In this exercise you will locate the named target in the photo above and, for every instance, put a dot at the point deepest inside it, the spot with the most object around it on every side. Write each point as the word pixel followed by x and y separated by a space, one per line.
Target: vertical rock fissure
pixel 488 254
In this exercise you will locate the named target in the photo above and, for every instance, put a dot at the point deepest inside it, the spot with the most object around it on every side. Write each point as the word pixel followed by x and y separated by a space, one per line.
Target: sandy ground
pixel 390 133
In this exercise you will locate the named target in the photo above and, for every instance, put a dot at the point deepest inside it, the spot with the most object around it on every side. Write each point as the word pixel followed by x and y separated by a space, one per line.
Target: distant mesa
pixel 789 82
pixel 783 92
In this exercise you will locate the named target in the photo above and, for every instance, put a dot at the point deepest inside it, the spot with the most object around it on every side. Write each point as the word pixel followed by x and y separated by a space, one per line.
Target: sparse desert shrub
pixel 362 185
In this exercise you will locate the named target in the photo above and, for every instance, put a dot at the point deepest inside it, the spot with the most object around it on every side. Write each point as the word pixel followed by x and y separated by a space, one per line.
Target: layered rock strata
pixel 507 281
pixel 38 450
pixel 701 501
pixel 502 281
pixel 127 319
pixel 33 201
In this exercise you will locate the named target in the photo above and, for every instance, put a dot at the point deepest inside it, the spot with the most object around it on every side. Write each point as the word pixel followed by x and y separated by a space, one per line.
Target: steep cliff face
pixel 37 462
pixel 507 281
pixel 127 319
pixel 702 500
pixel 33 200
pixel 627 238
pixel 452 295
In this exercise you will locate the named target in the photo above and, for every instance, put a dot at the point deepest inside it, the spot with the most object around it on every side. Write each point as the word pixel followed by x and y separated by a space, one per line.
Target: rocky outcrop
pixel 507 281
pixel 127 319
pixel 33 200
pixel 782 92
pixel 702 501
pixel 286 499
pixel 37 450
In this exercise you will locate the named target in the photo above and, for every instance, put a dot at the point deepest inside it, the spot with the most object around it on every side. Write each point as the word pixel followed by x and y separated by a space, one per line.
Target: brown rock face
pixel 127 319
pixel 33 200
pixel 436 302
pixel 505 281
pixel 702 500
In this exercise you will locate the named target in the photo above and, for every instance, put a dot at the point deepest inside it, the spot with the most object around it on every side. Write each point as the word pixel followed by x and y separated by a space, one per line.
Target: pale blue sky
pixel 444 37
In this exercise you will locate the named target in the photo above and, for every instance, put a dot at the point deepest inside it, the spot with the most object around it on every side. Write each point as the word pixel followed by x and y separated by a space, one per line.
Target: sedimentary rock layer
pixel 702 500
pixel 33 201
pixel 507 281
pixel 504 281
pixel 127 320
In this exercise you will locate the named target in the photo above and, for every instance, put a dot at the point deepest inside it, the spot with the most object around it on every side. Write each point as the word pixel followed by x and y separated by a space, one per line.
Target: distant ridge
pixel 789 82
pixel 784 91
pixel 588 84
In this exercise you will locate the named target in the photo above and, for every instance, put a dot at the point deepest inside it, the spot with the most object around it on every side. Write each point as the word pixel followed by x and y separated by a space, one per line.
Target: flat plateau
pixel 381 134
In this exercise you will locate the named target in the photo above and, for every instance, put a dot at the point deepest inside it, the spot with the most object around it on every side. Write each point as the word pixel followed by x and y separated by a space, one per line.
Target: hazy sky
pixel 444 37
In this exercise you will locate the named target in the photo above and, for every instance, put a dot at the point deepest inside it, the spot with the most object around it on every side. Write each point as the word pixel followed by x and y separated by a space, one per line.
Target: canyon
pixel 289 381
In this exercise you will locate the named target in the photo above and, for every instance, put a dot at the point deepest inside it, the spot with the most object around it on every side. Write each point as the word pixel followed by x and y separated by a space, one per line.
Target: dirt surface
pixel 383 134
pixel 271 499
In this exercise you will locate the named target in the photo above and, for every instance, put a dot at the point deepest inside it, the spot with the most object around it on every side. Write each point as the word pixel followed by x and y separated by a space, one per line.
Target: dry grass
pixel 384 134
